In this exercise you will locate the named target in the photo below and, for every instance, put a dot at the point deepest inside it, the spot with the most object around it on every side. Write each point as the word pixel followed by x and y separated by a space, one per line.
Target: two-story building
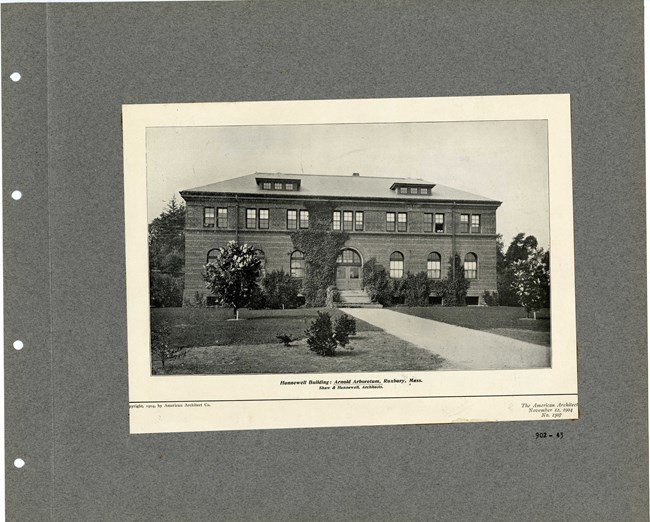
pixel 405 224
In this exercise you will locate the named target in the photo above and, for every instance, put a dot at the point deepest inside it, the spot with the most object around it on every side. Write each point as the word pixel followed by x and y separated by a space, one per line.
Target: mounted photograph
pixel 361 249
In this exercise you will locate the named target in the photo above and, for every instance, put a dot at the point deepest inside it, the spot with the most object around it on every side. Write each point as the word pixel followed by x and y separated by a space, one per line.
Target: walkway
pixel 462 348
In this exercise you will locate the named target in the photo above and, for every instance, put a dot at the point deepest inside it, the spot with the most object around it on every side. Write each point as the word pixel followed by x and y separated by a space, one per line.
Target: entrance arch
pixel 348 270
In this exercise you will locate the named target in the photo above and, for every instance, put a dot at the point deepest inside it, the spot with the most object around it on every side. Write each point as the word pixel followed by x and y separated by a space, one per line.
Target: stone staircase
pixel 356 299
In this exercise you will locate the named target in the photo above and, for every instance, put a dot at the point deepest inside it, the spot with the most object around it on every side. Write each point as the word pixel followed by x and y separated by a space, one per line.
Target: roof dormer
pixel 412 189
pixel 278 185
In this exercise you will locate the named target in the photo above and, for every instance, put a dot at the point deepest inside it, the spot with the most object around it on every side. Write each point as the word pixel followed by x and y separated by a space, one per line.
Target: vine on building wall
pixel 321 246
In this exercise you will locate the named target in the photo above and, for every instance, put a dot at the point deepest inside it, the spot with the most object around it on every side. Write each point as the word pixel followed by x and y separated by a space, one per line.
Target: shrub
pixel 333 297
pixel 456 289
pixel 161 345
pixel 491 298
pixel 376 283
pixel 344 327
pixel 280 290
pixel 165 290
pixel 320 337
pixel 413 289
pixel 198 301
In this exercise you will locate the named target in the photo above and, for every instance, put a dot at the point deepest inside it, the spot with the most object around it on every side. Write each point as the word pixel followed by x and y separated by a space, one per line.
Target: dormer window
pixel 278 184
pixel 413 188
pixel 267 185
pixel 403 190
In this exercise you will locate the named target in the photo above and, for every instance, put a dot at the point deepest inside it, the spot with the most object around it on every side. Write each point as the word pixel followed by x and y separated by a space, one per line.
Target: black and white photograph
pixel 352 255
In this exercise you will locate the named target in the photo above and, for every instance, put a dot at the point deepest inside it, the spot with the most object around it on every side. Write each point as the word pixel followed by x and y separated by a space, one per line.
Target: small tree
pixel 344 327
pixel 320 337
pixel 161 345
pixel 456 284
pixel 232 277
pixel 531 281
pixel 280 290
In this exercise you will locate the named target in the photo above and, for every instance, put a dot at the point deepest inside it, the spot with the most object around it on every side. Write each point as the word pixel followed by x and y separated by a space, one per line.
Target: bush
pixel 376 283
pixel 413 289
pixel 456 290
pixel 198 301
pixel 491 298
pixel 320 337
pixel 279 289
pixel 165 290
pixel 333 297
pixel 344 327
pixel 161 345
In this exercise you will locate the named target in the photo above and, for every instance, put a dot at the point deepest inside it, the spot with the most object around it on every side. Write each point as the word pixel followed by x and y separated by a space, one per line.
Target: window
pixel 336 220
pixel 390 221
pixel 277 186
pixel 396 265
pixel 358 223
pixel 424 191
pixel 251 218
pixel 433 266
pixel 440 223
pixel 348 257
pixel 222 217
pixel 292 219
pixel 208 217
pixel 428 222
pixel 297 264
pixel 471 266
pixel 213 255
pixel 266 185
pixel 413 190
pixel 464 223
pixel 476 224
pixel 401 222
pixel 264 218
pixel 288 186
pixel 403 190
pixel 347 220
pixel 304 219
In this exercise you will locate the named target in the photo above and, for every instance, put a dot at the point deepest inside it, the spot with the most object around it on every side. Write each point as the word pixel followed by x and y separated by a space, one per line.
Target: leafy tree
pixel 167 239
pixel 531 281
pixel 375 281
pixel 280 290
pixel 232 276
pixel 162 346
pixel 520 249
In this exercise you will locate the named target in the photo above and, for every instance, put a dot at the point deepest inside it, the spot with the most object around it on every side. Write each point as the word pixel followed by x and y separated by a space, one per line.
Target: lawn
pixel 216 345
pixel 502 320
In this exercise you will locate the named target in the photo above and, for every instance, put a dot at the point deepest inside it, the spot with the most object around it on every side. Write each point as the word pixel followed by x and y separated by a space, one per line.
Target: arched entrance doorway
pixel 348 270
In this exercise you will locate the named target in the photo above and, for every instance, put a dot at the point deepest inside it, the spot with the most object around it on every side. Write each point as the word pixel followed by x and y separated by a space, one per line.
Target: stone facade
pixel 415 244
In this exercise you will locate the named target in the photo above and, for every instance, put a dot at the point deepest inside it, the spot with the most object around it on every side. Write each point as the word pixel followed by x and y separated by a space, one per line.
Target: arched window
pixel 471 266
pixel 433 266
pixel 297 264
pixel 213 255
pixel 348 257
pixel 262 257
pixel 396 265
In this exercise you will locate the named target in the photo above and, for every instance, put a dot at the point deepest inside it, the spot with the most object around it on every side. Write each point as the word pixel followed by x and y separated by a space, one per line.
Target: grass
pixel 501 320
pixel 373 351
pixel 210 326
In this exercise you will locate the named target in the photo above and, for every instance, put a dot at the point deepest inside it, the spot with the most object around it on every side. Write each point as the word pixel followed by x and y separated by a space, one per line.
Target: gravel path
pixel 462 348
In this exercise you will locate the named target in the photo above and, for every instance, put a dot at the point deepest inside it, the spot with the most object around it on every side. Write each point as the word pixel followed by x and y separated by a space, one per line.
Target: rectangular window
pixel 288 186
pixel 251 218
pixel 440 223
pixel 464 223
pixel 390 221
pixel 336 220
pixel 428 222
pixel 222 217
pixel 292 219
pixel 401 222
pixel 264 218
pixel 413 190
pixel 476 223
pixel 208 217
pixel 358 223
pixel 277 186
pixel 424 191
pixel 347 220
pixel 266 185
pixel 403 190
pixel 304 219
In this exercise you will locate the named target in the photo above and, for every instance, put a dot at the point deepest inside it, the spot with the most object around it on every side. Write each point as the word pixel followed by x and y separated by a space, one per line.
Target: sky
pixel 502 160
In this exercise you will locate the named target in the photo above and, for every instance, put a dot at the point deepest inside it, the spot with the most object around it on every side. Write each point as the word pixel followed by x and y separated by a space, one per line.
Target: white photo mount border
pixel 237 402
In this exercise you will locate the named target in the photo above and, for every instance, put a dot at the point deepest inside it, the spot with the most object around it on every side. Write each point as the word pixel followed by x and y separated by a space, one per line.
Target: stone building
pixel 405 224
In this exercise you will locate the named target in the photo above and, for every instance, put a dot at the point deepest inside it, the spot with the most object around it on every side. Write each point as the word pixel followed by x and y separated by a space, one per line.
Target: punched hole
pixel 18 345
pixel 16 194
pixel 19 463
pixel 15 77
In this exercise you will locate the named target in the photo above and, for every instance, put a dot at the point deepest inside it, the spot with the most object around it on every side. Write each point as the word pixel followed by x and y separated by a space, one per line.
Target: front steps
pixel 356 299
